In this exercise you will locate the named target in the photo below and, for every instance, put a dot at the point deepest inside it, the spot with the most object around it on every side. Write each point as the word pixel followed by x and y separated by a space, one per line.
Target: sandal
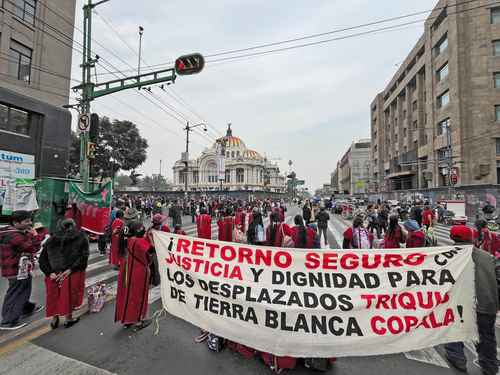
pixel 202 337
pixel 55 322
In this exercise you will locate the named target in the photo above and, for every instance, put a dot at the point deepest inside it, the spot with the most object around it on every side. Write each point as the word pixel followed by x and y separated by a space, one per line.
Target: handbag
pixel 287 241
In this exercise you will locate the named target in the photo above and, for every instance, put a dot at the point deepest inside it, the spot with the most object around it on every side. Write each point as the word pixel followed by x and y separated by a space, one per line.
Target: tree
pixel 155 183
pixel 122 180
pixel 119 147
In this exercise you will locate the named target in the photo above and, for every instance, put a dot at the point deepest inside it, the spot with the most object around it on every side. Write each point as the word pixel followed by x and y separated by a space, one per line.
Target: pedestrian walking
pixel 226 226
pixel 322 219
pixel 255 233
pixel 63 260
pixel 18 244
pixel 116 229
pixel 307 213
pixel 133 281
pixel 357 236
pixel 276 232
pixel 303 237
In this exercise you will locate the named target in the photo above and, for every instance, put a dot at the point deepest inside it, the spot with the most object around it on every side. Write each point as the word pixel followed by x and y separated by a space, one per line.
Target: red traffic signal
pixel 189 64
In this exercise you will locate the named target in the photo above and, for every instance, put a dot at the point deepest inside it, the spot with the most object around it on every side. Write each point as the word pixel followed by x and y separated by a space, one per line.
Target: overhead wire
pixel 360 26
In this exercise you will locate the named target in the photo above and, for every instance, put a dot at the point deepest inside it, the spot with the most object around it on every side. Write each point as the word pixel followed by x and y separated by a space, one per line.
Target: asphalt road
pixel 98 346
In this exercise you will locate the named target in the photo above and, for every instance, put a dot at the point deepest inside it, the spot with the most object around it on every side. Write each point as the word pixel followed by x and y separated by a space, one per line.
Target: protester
pixel 486 308
pixel 416 213
pixel 303 237
pixel 394 236
pixel 428 217
pixel 133 280
pixel 322 219
pixel 276 232
pixel 158 223
pixel 226 226
pixel 18 244
pixel 357 236
pixel 255 233
pixel 116 229
pixel 483 238
pixel 178 230
pixel 307 213
pixel 415 237
pixel 42 232
pixel 204 224
pixel 63 261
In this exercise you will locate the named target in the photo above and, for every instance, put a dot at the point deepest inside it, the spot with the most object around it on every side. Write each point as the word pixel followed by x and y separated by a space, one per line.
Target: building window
pixel 228 176
pixel 232 154
pixel 196 177
pixel 496 80
pixel 443 99
pixel 240 176
pixel 498 171
pixel 404 132
pixel 442 73
pixel 496 48
pixel 20 61
pixel 415 125
pixel 25 10
pixel 414 106
pixel 498 146
pixel 261 177
pixel 495 16
pixel 14 120
pixel 497 113
pixel 228 154
pixel 443 126
pixel 441 46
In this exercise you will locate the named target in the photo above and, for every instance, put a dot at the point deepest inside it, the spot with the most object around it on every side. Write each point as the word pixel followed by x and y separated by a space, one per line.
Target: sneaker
pixel 37 309
pixel 12 326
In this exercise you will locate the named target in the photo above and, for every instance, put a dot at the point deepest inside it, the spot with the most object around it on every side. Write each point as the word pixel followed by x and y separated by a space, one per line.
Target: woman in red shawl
pixel 226 227
pixel 204 224
pixel 116 228
pixel 303 237
pixel 133 280
pixel 63 260
pixel 276 231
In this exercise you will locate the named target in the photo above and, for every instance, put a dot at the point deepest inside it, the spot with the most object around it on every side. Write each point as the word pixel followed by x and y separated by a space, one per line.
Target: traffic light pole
pixel 189 128
pixel 184 65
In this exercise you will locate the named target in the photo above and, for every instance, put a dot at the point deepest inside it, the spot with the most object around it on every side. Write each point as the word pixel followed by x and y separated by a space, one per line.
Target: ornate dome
pixel 251 154
pixel 230 141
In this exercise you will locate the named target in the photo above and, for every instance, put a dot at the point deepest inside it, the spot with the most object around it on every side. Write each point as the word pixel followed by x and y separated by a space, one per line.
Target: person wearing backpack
pixel 357 236
pixel 303 237
pixel 428 217
pixel 415 237
pixel 487 306
pixel 277 231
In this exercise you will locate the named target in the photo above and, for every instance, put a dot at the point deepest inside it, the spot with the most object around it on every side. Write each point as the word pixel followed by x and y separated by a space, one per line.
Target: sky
pixel 306 104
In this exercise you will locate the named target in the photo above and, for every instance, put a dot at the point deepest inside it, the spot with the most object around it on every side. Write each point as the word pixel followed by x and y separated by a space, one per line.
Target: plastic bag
pixel 96 297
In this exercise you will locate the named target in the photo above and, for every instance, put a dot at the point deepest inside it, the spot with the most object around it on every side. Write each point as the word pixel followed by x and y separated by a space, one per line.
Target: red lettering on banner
pixel 183 245
pixel 197 248
pixel 283 259
pixel 349 261
pixel 211 247
pixel 405 300
pixel 312 261
pixel 245 254
pixel 330 261
pixel 397 324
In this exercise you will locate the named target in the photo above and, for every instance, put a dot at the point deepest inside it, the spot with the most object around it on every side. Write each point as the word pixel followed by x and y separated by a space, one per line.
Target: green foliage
pixel 119 147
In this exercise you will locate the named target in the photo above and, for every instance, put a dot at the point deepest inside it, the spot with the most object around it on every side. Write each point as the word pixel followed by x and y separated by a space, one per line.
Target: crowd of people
pixel 63 258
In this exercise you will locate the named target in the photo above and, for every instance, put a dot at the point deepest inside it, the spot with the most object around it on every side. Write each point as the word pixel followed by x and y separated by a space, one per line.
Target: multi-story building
pixel 440 113
pixel 353 169
pixel 36 39
pixel 334 179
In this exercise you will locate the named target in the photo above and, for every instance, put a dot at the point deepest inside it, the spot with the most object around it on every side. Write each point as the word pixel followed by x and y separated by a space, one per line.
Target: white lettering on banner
pixel 320 303
pixel 16 157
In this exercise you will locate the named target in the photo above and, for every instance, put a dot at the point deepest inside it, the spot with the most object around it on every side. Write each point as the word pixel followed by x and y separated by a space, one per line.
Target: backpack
pixel 215 343
pixel 360 238
pixel 430 238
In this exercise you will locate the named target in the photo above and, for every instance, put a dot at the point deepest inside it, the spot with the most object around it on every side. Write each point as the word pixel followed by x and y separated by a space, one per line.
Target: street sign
pixel 83 122
pixel 189 64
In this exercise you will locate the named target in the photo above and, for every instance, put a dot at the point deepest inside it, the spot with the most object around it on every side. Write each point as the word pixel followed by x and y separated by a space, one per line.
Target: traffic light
pixel 91 147
pixel 94 127
pixel 189 64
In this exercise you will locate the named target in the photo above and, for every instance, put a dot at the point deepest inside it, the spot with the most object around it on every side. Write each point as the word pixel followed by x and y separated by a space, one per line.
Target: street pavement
pixel 97 346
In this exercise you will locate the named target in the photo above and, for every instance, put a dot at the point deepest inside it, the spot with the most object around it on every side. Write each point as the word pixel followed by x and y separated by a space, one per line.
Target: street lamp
pixel 189 128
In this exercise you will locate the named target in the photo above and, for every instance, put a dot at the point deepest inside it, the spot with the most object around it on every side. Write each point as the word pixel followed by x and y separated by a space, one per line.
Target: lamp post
pixel 189 128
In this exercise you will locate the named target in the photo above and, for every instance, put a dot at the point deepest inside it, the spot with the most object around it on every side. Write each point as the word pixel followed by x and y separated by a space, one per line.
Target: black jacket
pixel 63 251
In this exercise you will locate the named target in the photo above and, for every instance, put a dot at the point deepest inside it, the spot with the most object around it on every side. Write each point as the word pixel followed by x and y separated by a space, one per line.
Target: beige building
pixel 441 110
pixel 36 39
pixel 244 169
pixel 353 169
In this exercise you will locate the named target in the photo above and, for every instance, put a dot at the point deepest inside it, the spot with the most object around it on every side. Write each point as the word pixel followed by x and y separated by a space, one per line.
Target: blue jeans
pixel 486 347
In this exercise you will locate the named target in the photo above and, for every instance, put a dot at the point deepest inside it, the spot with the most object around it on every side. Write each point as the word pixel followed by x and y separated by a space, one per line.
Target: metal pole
pixel 450 159
pixel 187 160
pixel 141 31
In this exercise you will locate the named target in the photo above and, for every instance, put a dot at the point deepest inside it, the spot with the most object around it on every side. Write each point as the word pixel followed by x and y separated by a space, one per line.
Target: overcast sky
pixel 306 105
